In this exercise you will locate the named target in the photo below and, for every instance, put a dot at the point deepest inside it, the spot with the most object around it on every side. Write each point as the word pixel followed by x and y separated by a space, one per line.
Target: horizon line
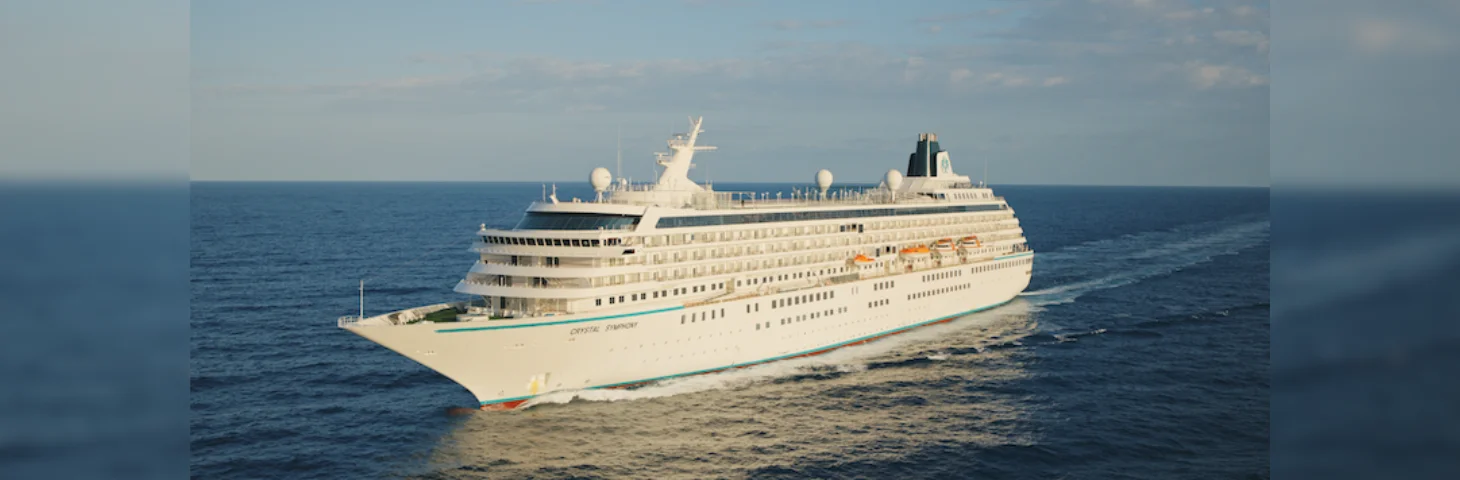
pixel 1269 186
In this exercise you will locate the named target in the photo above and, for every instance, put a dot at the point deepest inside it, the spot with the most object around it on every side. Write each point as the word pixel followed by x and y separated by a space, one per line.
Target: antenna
pixel 619 170
pixel 362 299
pixel 985 171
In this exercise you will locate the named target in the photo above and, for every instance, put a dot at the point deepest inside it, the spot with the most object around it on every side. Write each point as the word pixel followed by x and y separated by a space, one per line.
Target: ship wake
pixel 1117 262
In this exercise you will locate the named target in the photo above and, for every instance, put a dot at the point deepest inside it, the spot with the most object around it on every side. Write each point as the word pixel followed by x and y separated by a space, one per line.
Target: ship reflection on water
pixel 955 382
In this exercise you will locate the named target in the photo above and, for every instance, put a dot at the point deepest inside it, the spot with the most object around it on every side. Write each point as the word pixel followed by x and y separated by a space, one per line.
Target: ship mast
pixel 677 161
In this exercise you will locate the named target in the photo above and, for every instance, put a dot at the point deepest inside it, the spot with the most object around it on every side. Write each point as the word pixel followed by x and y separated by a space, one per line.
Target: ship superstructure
pixel 651 281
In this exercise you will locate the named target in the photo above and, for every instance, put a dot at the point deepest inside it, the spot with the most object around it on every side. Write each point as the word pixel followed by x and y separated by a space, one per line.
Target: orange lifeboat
pixel 972 241
pixel 918 251
pixel 863 259
pixel 944 245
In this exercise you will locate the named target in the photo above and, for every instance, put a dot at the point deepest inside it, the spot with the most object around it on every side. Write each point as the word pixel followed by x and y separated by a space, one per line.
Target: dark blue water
pixel 1140 351
pixel 93 347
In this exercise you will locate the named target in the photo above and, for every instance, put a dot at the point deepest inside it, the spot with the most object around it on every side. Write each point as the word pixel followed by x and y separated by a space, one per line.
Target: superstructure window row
pixel 551 242
pixel 659 294
pixel 942 275
pixel 812 316
pixel 576 221
pixel 770 217
pixel 800 299
pixel 939 291
pixel 996 266
pixel 696 317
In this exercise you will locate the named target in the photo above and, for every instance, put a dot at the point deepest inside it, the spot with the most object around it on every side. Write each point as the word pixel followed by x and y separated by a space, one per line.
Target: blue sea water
pixel 1140 350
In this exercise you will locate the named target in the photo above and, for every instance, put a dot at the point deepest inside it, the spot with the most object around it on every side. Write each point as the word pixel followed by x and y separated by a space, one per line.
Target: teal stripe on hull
pixel 543 324
pixel 772 359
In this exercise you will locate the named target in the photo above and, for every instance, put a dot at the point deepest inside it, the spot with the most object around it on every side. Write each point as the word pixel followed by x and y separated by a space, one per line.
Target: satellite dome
pixel 894 180
pixel 600 178
pixel 823 180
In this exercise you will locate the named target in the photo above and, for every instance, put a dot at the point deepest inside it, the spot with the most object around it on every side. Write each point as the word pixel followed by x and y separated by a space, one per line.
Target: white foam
pixel 1318 278
pixel 1132 258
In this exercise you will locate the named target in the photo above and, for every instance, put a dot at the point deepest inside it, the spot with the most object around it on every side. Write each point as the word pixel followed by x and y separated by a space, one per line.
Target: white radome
pixel 600 178
pixel 894 180
pixel 823 180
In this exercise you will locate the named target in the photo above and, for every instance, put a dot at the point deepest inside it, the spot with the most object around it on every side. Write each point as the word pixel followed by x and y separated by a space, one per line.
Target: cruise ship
pixel 647 282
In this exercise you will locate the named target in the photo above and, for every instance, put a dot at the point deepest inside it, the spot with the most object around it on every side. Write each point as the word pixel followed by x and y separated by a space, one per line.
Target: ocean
pixel 1140 350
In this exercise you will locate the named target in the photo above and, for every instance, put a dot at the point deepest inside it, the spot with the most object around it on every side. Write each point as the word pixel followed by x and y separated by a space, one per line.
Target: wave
pixel 1314 279
pixel 1112 263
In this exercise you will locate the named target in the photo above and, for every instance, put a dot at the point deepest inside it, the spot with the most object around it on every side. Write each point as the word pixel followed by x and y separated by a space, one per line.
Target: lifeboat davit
pixel 972 241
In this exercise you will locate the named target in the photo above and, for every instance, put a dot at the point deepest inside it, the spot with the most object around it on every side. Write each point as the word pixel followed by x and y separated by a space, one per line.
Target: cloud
pixel 1206 76
pixel 1188 14
pixel 1133 53
pixel 585 108
pixel 1188 84
pixel 962 16
pixel 1242 38
pixel 788 25
pixel 1410 36
pixel 959 75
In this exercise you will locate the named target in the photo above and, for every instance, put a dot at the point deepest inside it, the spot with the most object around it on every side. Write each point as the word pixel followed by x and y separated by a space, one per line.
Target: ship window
pixel 610 300
pixel 598 302
pixel 575 221
pixel 620 298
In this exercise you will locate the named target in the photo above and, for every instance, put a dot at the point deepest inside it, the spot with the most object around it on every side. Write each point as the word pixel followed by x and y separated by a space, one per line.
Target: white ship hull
pixel 506 362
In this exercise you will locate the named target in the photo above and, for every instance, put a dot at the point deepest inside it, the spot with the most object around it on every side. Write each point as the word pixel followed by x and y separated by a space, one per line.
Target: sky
pixel 94 89
pixel 1121 92
pixel 1145 92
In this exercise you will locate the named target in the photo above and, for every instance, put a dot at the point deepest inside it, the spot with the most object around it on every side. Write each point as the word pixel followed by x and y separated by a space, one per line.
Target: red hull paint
pixel 513 405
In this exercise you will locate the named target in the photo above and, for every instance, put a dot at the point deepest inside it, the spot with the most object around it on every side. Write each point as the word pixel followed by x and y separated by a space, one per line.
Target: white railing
pixel 349 321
